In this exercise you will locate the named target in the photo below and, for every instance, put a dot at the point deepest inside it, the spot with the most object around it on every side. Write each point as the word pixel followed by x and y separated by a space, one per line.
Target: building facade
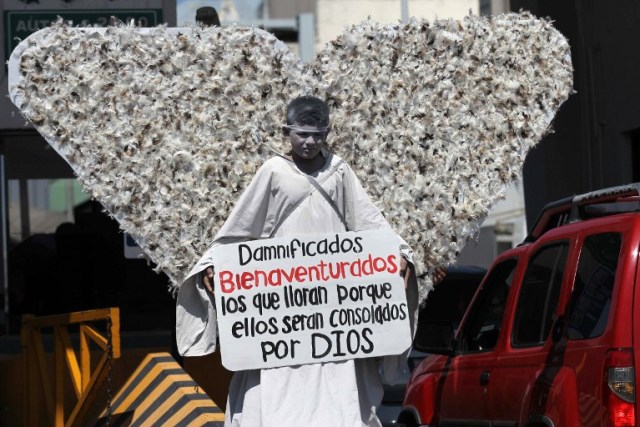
pixel 596 138
pixel 53 238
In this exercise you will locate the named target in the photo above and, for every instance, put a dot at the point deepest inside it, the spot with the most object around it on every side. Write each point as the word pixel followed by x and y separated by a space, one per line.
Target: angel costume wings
pixel 166 127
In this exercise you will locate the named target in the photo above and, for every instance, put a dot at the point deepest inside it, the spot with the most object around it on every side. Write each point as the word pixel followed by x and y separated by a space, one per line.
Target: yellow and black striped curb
pixel 161 393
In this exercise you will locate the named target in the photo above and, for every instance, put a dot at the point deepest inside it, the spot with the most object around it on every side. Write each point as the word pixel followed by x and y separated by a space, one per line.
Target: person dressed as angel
pixel 307 190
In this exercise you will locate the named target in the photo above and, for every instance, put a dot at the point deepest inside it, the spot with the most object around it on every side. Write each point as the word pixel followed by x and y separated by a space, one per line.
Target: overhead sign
pixel 19 24
pixel 310 299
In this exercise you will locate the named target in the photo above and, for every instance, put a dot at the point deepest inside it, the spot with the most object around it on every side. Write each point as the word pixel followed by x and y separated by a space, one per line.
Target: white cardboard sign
pixel 310 299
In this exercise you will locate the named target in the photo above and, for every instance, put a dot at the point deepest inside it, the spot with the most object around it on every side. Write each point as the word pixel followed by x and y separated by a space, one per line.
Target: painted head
pixel 307 126
pixel 207 16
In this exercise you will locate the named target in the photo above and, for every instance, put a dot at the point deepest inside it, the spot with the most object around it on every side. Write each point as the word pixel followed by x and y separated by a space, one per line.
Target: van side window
pixel 483 328
pixel 539 296
pixel 591 298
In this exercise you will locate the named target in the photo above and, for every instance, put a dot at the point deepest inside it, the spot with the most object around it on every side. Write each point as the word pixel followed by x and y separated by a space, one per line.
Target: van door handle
pixel 484 378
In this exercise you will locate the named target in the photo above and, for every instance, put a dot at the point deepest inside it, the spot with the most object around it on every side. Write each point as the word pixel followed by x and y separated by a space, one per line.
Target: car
pixel 552 335
pixel 447 301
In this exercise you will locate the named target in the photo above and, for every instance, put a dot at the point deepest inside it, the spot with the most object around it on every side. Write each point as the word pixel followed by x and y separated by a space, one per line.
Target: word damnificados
pixel 246 254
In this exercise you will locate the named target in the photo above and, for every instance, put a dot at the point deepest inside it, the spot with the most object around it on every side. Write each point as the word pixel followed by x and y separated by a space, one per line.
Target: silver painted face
pixel 307 141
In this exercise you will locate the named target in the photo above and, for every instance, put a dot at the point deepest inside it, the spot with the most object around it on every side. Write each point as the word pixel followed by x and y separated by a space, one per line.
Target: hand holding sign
pixel 310 299
pixel 207 279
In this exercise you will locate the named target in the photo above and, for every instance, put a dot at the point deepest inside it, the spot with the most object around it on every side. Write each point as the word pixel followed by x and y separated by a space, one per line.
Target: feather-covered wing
pixel 437 118
pixel 164 127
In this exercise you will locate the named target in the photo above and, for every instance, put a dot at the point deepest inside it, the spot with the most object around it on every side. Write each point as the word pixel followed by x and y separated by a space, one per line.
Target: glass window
pixel 39 206
pixel 591 299
pixel 539 296
pixel 483 328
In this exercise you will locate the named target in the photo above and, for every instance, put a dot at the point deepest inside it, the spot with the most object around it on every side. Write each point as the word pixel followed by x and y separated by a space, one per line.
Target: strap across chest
pixel 317 186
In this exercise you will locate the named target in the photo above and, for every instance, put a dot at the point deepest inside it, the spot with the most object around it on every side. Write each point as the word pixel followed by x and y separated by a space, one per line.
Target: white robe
pixel 325 394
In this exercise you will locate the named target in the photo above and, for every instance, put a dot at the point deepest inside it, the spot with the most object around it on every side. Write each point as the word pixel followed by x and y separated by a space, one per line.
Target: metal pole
pixel 306 37
pixel 25 222
pixel 69 199
pixel 5 228
pixel 506 6
pixel 265 10
pixel 404 5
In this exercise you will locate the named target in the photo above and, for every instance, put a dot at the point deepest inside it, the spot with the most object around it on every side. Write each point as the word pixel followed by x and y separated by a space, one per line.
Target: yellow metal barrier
pixel 85 383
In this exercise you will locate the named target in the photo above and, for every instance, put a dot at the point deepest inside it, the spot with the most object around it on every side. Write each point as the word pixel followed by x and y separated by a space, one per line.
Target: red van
pixel 552 336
